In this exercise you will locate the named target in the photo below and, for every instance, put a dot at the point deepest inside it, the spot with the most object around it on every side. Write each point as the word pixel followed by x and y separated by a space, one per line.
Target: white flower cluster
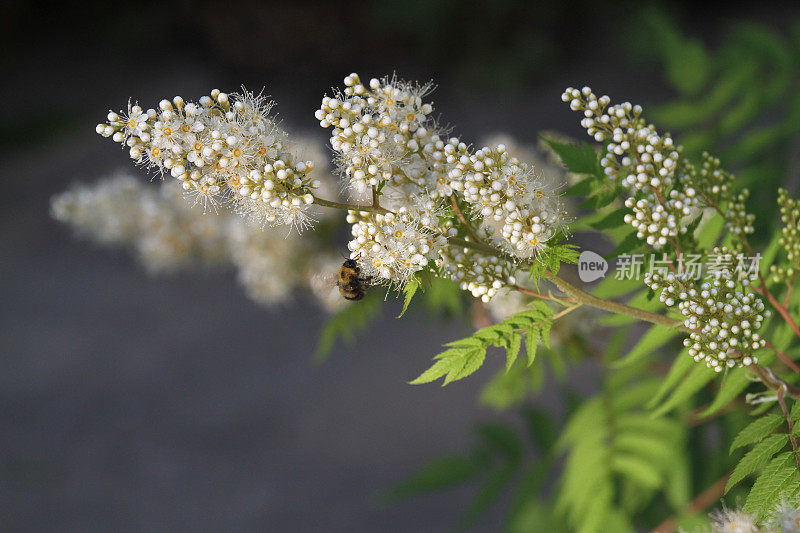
pixel 377 127
pixel 168 234
pixel 419 189
pixel 396 244
pixel 391 150
pixel 723 320
pixel 733 521
pixel 790 238
pixel 224 147
pixel 784 518
pixel 481 275
pixel 502 189
pixel 642 160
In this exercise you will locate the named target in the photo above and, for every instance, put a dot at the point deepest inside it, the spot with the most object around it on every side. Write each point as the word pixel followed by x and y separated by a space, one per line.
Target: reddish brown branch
pixel 701 502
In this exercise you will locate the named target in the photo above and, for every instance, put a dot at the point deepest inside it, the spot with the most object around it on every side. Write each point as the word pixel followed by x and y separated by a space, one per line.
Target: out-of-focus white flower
pixel 169 233
pixel 733 521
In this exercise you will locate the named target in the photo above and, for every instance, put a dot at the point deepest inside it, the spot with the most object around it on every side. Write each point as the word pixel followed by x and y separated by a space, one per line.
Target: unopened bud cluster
pixel 790 238
pixel 224 147
pixel 724 319
pixel 641 160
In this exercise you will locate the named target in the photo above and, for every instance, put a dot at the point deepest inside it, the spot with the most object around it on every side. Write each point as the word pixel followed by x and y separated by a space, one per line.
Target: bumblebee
pixel 351 285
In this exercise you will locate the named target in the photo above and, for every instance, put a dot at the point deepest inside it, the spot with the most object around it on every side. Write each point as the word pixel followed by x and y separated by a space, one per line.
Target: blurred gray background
pixel 136 403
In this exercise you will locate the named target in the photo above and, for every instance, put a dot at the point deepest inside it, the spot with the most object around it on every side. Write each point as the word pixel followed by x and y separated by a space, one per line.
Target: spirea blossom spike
pixel 226 147
pixel 388 145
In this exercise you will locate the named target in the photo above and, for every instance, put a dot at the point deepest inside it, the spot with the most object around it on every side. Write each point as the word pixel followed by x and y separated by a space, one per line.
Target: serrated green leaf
pixel 756 430
pixel 487 495
pixel 696 380
pixel 652 340
pixel 779 480
pixel 614 219
pixel 544 331
pixel 732 387
pixel 453 364
pixel 638 469
pixel 531 343
pixel 795 412
pixel 409 290
pixel 756 458
pixel 439 474
pixel 512 350
pixel 676 373
pixel 581 159
pixel 504 439
pixel 466 343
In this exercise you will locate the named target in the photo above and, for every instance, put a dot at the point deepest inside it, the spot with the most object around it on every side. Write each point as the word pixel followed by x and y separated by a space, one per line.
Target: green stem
pixel 613 307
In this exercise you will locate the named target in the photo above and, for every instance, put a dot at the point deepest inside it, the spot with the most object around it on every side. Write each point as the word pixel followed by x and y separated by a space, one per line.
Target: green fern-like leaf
pixel 532 343
pixel 465 356
pixel 453 364
pixel 513 346
pixel 757 458
pixel 582 159
pixel 779 479
pixel 614 445
pixel 732 387
pixel 698 377
pixel 346 323
pixel 409 290
pixel 550 259
pixel 756 431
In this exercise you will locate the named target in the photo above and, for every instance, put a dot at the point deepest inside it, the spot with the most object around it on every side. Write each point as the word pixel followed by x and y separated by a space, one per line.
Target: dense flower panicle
pixel 641 160
pixel 421 184
pixel 502 189
pixel 394 245
pixel 482 275
pixel 666 189
pixel 224 147
pixel 724 320
pixel 790 238
pixel 169 234
pixel 375 128
pixel 388 145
